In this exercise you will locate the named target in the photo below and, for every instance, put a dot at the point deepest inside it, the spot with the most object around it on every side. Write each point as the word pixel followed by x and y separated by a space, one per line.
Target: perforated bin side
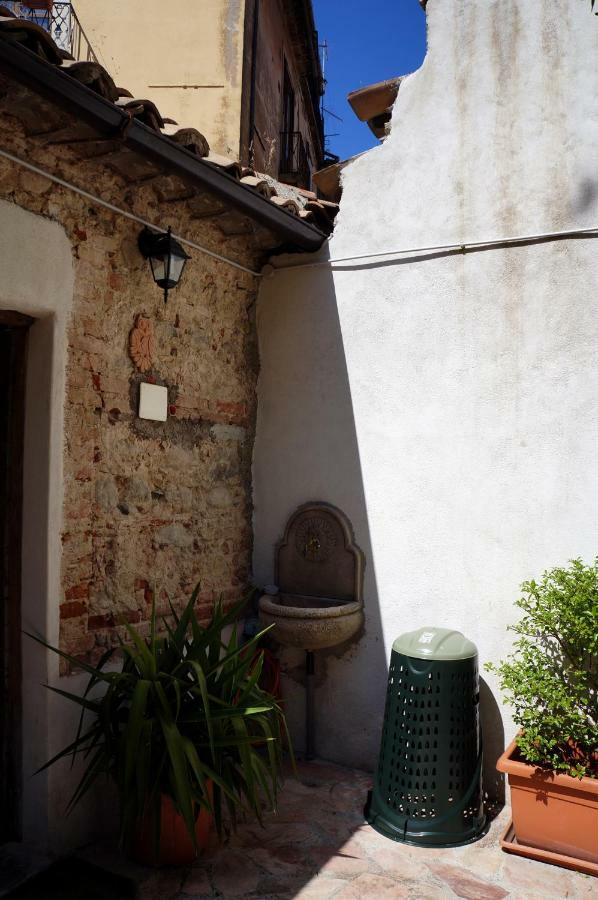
pixel 428 786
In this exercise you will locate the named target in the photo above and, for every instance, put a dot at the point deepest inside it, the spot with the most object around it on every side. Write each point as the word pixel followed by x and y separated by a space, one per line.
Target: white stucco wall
pixel 447 403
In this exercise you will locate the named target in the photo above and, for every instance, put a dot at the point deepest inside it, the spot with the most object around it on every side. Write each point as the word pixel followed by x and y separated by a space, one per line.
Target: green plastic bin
pixel 428 785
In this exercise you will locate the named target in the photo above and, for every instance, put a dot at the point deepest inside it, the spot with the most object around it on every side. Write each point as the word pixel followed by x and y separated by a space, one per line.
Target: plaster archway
pixel 38 280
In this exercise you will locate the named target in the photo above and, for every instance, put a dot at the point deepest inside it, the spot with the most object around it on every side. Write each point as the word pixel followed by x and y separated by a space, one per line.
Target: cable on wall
pixel 461 246
pixel 123 212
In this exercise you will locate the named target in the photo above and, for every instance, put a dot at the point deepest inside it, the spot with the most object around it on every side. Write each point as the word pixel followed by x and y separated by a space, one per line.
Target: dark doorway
pixel 13 352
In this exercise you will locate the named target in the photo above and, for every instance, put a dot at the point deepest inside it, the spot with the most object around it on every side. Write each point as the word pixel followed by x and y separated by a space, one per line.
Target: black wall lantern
pixel 167 258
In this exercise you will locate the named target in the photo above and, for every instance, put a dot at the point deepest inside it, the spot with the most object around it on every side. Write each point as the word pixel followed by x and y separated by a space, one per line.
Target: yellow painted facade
pixel 185 55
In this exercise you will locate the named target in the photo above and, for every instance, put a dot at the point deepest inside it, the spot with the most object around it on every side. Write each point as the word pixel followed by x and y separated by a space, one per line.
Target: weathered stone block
pixel 137 491
pixel 228 433
pixel 220 497
pixel 106 493
pixel 175 534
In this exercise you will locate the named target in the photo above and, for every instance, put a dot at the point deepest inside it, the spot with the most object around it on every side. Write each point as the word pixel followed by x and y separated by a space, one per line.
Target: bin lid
pixel 435 643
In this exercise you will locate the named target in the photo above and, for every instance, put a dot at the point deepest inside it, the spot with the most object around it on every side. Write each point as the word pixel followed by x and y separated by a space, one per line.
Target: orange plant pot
pixel 552 812
pixel 175 847
pixel 39 4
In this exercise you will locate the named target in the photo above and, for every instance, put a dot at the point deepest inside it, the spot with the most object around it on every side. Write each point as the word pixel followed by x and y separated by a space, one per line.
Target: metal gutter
pixel 25 67
pixel 93 198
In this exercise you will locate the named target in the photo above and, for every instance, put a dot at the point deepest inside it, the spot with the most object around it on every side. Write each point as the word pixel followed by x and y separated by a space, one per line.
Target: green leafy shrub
pixel 551 678
pixel 184 710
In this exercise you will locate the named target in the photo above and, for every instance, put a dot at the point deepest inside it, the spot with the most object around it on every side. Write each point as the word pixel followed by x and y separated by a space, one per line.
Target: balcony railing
pixel 294 162
pixel 60 20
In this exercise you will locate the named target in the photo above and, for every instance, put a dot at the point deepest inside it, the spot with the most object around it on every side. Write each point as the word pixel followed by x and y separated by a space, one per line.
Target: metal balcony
pixel 294 162
pixel 60 20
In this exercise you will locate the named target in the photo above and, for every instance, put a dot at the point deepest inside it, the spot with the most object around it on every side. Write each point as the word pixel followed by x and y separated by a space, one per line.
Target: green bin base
pixel 409 835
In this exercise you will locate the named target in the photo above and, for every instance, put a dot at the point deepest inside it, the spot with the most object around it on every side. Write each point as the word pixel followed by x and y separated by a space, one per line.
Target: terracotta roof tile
pixel 144 110
pixel 323 212
pixel 280 189
pixel 190 138
pixel 309 195
pixel 331 208
pixel 232 166
pixel 328 180
pixel 94 76
pixel 296 201
pixel 373 104
pixel 286 203
pixel 260 184
pixel 32 36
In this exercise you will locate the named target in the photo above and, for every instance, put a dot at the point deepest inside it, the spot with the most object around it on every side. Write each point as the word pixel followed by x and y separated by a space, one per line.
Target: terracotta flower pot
pixel 175 847
pixel 552 812
pixel 39 4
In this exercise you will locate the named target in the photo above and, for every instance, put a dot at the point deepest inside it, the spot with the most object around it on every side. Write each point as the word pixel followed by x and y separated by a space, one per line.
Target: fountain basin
pixel 310 623
pixel 317 600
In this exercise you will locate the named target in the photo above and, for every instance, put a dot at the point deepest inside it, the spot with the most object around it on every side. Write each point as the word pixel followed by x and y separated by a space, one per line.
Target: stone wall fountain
pixel 317 601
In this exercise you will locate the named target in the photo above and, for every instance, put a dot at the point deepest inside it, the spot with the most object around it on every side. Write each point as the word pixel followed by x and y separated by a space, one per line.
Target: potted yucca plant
pixel 184 731
pixel 551 681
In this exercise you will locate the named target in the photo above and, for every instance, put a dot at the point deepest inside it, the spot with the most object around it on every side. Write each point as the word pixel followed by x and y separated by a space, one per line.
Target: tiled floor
pixel 318 847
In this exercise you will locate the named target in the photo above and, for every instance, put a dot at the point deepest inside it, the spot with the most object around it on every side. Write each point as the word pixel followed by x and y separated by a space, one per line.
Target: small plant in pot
pixel 184 731
pixel 551 681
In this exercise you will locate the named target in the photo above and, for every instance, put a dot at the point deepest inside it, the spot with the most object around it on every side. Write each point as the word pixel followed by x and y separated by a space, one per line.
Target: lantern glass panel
pixel 158 269
pixel 177 264
pixel 167 269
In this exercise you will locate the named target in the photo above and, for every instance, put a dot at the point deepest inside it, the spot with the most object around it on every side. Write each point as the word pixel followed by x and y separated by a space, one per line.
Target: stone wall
pixel 150 508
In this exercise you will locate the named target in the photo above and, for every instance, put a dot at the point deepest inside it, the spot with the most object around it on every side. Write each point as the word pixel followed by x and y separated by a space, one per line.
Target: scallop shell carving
pixel 142 343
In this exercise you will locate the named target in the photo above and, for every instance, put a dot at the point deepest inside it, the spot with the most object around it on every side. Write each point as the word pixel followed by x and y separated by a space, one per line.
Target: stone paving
pixel 317 847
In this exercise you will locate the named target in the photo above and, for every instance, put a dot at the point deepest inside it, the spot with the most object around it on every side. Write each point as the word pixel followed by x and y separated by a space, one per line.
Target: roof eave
pixel 21 64
pixel 374 99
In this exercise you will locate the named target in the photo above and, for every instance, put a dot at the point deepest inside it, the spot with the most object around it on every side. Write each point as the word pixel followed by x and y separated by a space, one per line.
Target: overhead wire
pixel 381 255
pixel 124 212
pixel 458 246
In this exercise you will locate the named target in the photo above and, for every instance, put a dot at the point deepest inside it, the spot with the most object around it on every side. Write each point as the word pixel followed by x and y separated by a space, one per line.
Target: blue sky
pixel 368 41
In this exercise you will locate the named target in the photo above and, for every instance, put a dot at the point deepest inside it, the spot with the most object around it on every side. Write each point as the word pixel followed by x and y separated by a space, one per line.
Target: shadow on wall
pixel 306 450
pixel 493 734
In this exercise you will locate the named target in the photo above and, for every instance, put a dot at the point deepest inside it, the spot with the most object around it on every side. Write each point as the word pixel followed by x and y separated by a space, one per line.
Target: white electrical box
pixel 153 402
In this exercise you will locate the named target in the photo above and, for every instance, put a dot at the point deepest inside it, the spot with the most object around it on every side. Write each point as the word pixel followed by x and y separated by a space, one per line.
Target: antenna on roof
pixel 323 58
pixel 323 48
pixel 328 155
